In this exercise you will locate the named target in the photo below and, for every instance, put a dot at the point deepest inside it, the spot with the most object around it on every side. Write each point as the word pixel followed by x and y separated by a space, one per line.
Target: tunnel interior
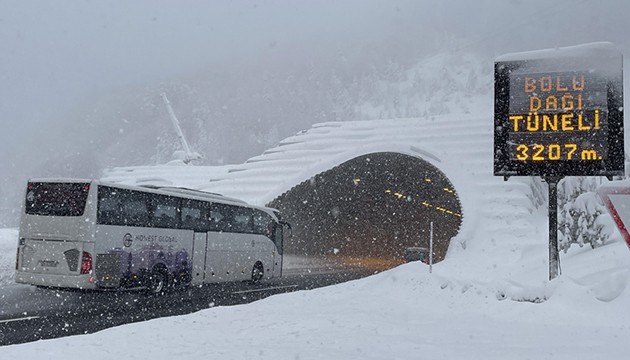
pixel 372 207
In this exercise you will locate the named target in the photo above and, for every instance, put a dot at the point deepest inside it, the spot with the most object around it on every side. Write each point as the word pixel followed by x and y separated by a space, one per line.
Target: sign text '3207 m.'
pixel 552 117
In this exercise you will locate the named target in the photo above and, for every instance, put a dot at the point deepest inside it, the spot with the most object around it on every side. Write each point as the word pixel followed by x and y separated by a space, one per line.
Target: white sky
pixel 56 53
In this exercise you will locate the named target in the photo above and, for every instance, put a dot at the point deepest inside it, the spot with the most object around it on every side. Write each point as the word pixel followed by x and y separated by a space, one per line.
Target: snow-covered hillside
pixel 450 82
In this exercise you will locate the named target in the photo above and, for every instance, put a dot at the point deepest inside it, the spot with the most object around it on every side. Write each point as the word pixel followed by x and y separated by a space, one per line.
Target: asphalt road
pixel 29 313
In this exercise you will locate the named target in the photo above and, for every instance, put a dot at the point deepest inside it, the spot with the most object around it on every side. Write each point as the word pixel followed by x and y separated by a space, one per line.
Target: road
pixel 29 313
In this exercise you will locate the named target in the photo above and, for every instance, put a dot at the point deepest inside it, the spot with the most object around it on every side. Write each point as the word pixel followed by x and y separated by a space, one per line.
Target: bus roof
pixel 165 190
pixel 193 192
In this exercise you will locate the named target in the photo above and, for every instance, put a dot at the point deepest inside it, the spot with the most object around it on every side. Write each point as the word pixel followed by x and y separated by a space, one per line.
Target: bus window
pixel 262 223
pixel 190 217
pixel 56 199
pixel 108 212
pixel 219 218
pixel 135 213
pixel 242 221
pixel 122 207
pixel 195 216
pixel 230 218
pixel 166 212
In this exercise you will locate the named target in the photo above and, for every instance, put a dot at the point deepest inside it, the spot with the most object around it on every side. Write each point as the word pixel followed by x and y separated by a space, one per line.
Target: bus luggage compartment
pixel 108 270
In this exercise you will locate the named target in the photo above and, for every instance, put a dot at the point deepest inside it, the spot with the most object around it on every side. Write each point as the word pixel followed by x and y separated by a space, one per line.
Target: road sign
pixel 559 112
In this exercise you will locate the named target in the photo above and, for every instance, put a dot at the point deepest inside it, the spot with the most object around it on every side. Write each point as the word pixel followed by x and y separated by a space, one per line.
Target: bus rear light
pixel 86 263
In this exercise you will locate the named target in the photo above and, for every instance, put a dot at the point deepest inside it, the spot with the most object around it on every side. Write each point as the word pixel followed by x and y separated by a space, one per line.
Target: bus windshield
pixel 56 199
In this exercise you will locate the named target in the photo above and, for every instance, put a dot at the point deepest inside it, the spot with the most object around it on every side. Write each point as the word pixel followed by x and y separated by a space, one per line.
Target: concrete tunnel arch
pixel 372 206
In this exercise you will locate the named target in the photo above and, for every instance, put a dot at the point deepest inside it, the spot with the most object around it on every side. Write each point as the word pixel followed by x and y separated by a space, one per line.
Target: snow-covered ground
pixel 490 301
pixel 8 244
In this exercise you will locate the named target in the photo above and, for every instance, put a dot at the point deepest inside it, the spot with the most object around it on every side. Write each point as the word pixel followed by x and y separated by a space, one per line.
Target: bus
pixel 88 234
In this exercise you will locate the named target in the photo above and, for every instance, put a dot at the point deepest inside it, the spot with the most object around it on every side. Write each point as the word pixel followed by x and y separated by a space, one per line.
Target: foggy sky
pixel 58 56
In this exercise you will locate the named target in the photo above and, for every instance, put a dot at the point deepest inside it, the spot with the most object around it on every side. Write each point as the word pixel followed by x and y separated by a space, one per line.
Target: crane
pixel 188 155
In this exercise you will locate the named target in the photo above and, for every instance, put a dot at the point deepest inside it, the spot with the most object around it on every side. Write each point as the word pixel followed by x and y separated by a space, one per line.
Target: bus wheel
pixel 257 272
pixel 181 280
pixel 158 281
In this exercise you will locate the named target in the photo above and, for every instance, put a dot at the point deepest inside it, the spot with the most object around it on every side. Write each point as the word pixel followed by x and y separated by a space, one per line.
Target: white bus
pixel 91 235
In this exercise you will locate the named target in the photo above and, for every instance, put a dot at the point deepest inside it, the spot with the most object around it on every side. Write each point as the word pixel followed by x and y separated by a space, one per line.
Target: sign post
pixel 554 254
pixel 557 113
pixel 431 248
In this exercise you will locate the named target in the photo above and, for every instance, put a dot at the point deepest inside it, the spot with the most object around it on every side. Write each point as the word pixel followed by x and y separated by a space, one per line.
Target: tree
pixel 580 213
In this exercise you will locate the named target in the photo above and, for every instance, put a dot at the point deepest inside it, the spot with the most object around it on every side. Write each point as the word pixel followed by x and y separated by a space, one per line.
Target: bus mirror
pixel 288 226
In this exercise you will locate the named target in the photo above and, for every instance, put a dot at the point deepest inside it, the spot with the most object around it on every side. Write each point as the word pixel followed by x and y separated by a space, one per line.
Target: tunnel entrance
pixel 372 207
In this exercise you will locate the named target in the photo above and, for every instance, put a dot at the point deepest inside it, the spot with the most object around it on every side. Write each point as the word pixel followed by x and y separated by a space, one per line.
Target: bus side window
pixel 166 212
pixel 188 217
pixel 109 212
pixel 219 218
pixel 192 216
pixel 134 209
pixel 263 223
pixel 243 221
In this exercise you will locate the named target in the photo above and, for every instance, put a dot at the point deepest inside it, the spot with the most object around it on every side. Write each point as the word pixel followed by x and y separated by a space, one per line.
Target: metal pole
pixel 178 129
pixel 431 249
pixel 554 256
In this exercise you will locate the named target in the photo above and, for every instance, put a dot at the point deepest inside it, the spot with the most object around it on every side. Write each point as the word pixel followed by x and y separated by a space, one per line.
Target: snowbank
pixel 8 247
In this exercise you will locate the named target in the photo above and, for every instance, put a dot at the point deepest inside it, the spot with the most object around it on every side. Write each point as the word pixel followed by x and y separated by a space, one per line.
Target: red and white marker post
pixel 617 201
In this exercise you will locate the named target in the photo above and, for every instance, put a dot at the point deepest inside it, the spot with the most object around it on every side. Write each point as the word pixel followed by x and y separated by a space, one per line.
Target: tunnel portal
pixel 372 207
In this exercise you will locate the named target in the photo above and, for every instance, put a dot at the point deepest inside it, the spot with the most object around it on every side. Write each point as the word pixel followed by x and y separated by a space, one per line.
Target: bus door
pixel 200 247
